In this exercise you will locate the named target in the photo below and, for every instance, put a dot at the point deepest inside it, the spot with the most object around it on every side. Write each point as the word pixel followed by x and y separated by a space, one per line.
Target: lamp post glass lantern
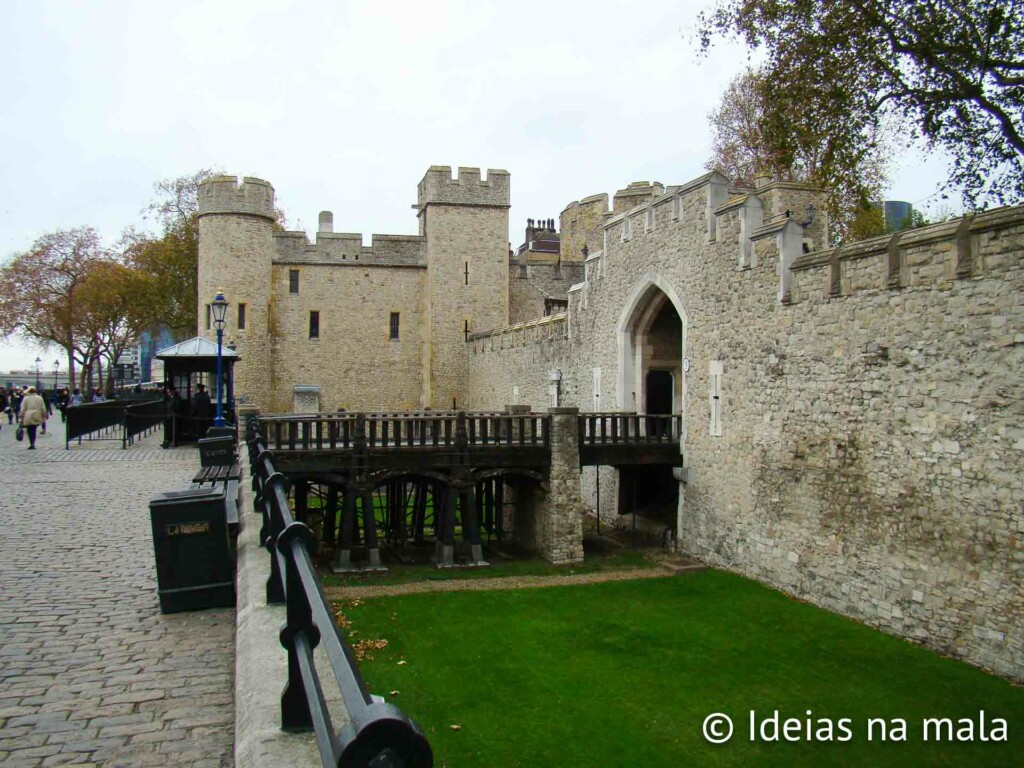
pixel 219 310
pixel 38 361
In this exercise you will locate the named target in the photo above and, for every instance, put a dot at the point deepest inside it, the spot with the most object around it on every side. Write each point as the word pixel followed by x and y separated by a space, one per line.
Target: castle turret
pixel 465 222
pixel 582 225
pixel 235 251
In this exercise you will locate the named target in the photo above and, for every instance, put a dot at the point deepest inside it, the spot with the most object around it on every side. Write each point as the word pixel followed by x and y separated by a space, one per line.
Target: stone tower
pixel 235 252
pixel 465 223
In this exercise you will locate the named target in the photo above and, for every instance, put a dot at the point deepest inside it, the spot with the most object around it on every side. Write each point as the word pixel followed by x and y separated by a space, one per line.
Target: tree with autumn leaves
pixel 70 291
pixel 947 72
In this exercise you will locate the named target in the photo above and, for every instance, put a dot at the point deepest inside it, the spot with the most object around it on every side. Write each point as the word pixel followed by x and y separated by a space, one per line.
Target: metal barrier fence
pixel 90 419
pixel 140 418
pixel 120 420
pixel 378 735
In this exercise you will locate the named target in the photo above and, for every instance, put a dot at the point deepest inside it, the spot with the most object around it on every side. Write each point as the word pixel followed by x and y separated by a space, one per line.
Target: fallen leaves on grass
pixel 363 647
pixel 403 661
pixel 455 727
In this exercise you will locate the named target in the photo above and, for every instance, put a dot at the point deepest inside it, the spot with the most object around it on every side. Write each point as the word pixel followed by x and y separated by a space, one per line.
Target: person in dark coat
pixel 172 409
pixel 201 409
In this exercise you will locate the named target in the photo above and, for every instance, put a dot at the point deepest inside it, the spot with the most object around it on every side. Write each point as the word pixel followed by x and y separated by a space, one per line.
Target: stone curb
pixel 261 665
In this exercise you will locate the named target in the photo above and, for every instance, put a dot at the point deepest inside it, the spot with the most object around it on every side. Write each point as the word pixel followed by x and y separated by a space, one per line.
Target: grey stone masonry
pixel 560 522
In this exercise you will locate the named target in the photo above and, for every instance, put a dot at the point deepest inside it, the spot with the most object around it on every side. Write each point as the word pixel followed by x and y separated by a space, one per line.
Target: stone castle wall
pixel 866 451
pixel 364 370
pixel 871 449
pixel 511 366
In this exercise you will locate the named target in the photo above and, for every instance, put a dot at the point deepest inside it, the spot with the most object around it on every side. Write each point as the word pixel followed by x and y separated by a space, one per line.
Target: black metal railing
pixel 97 421
pixel 629 428
pixel 140 417
pixel 378 734
pixel 120 420
pixel 346 431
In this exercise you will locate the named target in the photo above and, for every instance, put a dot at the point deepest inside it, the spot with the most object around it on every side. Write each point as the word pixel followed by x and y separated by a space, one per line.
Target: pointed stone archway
pixel 651 337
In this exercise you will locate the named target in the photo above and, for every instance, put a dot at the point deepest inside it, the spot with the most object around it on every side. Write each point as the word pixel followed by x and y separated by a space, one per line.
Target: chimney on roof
pixel 326 222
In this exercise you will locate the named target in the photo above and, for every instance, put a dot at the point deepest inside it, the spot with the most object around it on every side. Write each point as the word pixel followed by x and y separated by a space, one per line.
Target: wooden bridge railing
pixel 407 430
pixel 629 428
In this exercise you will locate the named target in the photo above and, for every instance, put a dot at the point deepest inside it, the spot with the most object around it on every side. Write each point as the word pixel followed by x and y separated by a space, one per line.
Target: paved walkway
pixel 90 671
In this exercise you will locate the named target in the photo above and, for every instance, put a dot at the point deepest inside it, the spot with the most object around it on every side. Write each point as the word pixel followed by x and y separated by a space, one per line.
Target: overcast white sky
pixel 343 105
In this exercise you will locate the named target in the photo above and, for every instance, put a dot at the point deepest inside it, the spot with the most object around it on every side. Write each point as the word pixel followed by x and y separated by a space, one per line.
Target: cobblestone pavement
pixel 90 671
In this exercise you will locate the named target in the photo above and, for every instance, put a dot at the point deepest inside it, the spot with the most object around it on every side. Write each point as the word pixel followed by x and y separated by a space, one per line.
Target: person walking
pixel 31 414
pixel 14 402
pixel 62 404
pixel 76 398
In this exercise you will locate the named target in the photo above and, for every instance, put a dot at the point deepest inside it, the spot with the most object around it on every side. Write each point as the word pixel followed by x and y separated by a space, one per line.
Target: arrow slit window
pixel 715 370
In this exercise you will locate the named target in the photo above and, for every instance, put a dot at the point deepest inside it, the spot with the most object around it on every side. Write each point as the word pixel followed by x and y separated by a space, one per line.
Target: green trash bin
pixel 195 568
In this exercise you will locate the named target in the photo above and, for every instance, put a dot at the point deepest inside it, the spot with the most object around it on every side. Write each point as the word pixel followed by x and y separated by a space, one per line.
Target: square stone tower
pixel 465 222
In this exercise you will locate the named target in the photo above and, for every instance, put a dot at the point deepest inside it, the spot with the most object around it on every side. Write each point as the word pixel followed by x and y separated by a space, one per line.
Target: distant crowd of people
pixel 30 409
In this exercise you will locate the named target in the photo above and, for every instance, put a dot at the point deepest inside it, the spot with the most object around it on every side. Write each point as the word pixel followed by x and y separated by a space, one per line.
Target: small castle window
pixel 241 317
pixel 677 208
pixel 394 326
pixel 207 317
pixel 649 222
pixel 314 325
pixel 293 281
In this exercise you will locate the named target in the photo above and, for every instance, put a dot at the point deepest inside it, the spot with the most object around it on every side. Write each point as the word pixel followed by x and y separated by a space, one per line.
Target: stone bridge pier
pixel 549 515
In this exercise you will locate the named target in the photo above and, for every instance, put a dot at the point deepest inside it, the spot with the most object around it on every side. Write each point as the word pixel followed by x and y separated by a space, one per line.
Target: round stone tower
pixel 236 246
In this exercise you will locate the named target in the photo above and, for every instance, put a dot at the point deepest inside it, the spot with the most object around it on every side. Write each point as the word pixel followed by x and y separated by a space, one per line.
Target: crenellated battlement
pixel 224 194
pixel 932 256
pixel 581 225
pixel 347 249
pixel 438 187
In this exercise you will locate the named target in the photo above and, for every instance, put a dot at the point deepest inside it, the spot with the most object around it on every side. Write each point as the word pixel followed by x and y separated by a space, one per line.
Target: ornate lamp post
pixel 38 361
pixel 219 308
pixel 56 367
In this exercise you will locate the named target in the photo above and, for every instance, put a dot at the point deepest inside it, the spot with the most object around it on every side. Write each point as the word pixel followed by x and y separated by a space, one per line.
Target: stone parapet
pixel 223 194
pixel 438 187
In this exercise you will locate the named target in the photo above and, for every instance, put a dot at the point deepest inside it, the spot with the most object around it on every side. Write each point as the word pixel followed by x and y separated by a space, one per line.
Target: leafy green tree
pixel 117 304
pixel 952 70
pixel 171 260
pixel 743 126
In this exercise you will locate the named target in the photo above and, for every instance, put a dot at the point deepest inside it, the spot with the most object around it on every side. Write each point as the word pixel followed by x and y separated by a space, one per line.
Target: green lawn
pixel 624 674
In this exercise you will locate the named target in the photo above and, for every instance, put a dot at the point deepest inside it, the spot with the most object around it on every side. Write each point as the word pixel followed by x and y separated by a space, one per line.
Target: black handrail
pixel 378 734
